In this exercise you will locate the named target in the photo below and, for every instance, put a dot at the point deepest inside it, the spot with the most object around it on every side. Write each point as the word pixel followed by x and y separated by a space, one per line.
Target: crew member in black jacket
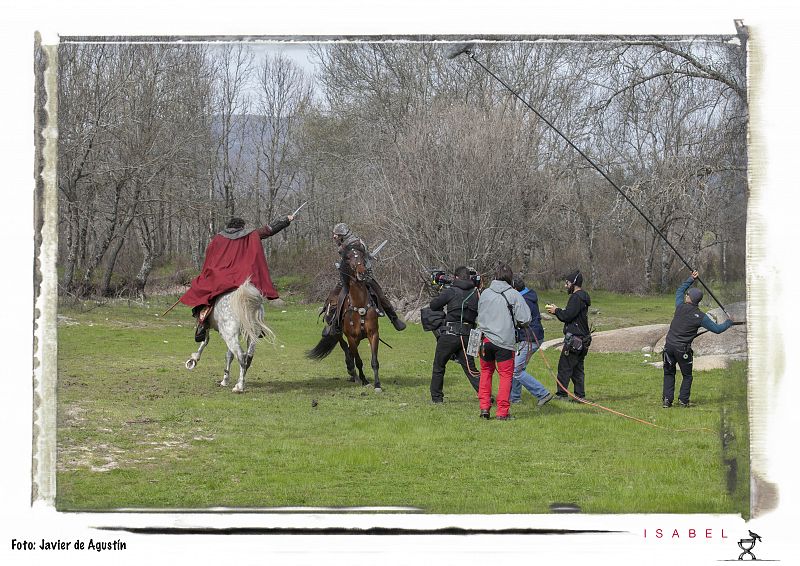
pixel 678 345
pixel 577 336
pixel 460 302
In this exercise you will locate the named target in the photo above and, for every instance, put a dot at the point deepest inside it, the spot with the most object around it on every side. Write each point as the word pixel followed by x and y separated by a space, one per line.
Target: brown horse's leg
pixel 373 337
pixel 348 359
pixel 353 333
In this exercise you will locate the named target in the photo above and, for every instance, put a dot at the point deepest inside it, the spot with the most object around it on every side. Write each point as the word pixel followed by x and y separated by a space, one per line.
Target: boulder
pixel 732 342
pixel 413 315
pixel 706 363
pixel 633 339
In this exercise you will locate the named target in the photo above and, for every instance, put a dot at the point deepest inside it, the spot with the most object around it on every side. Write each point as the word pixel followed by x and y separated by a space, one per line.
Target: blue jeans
pixel 522 377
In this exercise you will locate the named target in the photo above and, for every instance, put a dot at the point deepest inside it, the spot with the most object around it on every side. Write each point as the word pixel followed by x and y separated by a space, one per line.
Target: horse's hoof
pixel 223 383
pixel 378 390
pixel 191 363
pixel 238 389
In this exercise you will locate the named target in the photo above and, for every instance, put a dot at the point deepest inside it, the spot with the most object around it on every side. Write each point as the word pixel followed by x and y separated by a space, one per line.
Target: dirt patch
pixel 149 447
pixel 62 320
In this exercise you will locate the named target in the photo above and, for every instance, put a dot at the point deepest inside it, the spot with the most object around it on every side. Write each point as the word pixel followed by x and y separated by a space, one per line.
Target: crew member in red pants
pixel 501 310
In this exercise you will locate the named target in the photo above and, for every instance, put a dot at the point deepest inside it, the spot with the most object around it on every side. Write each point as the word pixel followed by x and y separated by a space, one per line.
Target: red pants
pixel 503 360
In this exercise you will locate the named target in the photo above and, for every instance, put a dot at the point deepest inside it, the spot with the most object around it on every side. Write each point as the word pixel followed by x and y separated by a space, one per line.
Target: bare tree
pixel 281 101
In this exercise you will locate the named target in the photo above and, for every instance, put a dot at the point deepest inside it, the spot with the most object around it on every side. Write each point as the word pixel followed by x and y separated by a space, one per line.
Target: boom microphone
pixel 467 49
pixel 457 50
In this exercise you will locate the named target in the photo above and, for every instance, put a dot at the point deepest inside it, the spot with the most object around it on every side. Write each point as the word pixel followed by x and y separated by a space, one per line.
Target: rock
pixel 647 349
pixel 738 312
pixel 413 315
pixel 623 339
pixel 277 303
pixel 706 363
pixel 547 316
pixel 732 341
pixel 551 343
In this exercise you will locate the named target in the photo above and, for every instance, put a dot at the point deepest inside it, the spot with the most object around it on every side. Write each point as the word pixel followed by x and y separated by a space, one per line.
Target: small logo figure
pixel 747 544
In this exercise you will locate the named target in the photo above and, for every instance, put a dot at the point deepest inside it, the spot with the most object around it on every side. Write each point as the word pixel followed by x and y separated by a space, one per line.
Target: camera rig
pixel 440 279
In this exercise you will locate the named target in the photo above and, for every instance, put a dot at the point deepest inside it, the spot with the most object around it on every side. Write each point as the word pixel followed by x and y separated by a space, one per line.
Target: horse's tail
pixel 248 306
pixel 325 347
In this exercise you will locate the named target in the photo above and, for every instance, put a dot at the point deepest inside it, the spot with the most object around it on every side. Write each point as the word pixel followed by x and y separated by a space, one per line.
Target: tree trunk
pixel 112 260
pixel 73 241
pixel 144 270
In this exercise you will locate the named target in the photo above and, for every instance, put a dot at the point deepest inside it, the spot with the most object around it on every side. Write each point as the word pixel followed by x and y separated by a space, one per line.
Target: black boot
pixel 200 332
pixel 386 304
pixel 396 322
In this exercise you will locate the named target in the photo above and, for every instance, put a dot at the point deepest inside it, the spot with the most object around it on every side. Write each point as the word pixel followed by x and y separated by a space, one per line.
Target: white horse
pixel 236 313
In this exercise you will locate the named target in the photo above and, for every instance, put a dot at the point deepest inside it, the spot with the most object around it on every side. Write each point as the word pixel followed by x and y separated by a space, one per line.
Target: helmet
pixel 341 229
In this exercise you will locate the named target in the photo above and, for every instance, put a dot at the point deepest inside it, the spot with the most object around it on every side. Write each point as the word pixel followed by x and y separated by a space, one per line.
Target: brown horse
pixel 359 321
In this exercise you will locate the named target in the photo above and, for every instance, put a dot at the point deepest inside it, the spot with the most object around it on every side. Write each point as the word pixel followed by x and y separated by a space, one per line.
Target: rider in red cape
pixel 233 255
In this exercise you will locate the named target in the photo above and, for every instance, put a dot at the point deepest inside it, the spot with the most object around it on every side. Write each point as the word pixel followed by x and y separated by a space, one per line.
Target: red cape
pixel 227 264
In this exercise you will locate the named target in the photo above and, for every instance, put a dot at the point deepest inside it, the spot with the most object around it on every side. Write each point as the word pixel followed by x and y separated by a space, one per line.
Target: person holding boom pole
pixel 678 345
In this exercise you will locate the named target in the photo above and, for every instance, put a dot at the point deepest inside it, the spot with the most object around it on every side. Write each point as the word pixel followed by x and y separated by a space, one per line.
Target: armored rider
pixel 346 240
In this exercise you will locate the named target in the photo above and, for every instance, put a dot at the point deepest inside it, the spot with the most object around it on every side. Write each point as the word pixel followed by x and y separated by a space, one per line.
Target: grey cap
pixel 695 295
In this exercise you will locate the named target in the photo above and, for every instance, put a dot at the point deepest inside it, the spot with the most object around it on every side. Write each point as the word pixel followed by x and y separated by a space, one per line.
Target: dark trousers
pixel 571 367
pixel 672 357
pixel 450 347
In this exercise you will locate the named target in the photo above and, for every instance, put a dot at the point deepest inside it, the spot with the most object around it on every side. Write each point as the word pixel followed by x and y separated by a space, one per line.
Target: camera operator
pixel 460 302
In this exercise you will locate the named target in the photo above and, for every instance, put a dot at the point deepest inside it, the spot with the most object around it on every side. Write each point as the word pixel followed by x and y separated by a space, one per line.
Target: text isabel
pixel 687 533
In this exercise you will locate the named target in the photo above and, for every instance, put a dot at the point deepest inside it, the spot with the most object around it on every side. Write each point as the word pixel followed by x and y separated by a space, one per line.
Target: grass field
pixel 138 430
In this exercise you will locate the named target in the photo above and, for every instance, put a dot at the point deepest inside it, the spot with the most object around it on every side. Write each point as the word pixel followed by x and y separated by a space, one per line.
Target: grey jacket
pixel 494 319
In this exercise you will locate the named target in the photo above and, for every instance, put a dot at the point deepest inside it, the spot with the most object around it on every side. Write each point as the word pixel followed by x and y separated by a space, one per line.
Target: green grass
pixel 136 429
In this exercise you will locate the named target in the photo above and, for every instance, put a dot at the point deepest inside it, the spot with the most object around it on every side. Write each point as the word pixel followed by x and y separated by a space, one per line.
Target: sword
pixel 379 248
pixel 172 307
pixel 298 209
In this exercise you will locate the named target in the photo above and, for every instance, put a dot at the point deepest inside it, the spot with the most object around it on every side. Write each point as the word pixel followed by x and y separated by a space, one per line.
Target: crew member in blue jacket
pixel 528 341
pixel 687 320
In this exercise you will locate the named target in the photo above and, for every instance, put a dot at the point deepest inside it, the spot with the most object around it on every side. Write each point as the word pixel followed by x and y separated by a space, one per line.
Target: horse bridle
pixel 354 254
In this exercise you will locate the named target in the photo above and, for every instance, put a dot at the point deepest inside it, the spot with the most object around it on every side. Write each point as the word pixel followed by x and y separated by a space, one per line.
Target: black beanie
pixel 575 278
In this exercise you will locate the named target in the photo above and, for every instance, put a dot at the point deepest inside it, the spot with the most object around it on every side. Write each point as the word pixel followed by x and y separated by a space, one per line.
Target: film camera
pixel 440 279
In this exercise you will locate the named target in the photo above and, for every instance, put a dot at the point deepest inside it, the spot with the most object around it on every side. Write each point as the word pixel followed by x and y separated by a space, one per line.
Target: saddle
pixel 333 313
pixel 204 313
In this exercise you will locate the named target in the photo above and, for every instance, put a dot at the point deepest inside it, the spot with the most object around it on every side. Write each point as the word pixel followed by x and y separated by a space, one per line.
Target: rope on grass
pixel 612 411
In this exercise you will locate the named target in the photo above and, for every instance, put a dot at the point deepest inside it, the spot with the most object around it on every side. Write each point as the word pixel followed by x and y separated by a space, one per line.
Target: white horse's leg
pixel 230 333
pixel 195 357
pixel 226 376
pixel 248 359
